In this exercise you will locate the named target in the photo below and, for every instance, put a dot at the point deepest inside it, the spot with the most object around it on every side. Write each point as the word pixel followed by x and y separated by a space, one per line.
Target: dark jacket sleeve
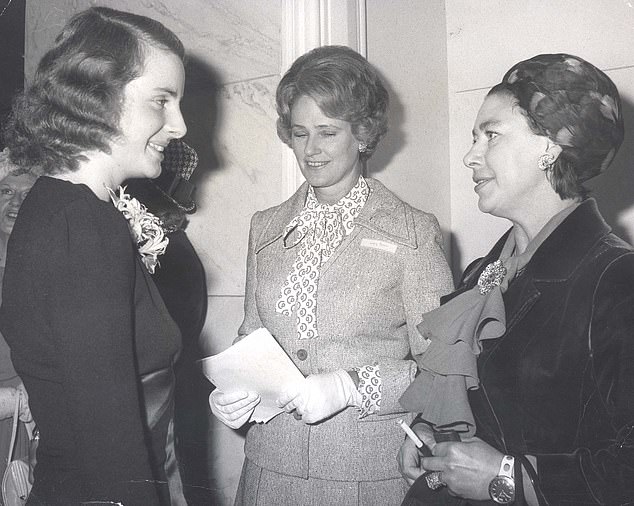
pixel 91 314
pixel 601 469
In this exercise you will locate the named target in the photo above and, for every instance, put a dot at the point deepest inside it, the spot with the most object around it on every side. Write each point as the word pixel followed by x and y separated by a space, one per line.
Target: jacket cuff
pixel 396 376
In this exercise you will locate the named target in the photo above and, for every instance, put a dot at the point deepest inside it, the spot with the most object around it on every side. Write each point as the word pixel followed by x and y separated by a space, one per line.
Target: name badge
pixel 390 247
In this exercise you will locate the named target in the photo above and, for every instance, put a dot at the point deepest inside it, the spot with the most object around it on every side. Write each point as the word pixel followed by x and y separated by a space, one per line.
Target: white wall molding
pixel 307 24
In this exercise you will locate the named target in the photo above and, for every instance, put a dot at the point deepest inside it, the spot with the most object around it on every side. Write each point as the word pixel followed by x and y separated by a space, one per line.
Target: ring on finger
pixel 434 480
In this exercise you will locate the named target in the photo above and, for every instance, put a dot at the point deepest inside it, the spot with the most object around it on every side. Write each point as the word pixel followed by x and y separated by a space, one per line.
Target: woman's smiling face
pixel 151 116
pixel 504 159
pixel 326 150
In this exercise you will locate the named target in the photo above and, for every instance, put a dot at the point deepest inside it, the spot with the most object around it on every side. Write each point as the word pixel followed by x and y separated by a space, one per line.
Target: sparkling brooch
pixel 491 277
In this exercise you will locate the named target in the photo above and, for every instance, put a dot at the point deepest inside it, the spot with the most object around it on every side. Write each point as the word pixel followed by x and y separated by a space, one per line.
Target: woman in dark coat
pixel 89 333
pixel 548 312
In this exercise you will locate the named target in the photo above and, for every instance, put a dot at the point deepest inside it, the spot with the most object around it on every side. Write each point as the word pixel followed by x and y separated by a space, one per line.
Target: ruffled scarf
pixel 455 330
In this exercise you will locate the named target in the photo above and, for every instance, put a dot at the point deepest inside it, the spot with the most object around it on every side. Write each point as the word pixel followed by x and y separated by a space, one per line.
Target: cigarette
pixel 410 434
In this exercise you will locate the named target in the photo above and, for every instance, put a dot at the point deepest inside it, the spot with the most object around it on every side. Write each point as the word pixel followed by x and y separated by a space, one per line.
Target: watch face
pixel 502 489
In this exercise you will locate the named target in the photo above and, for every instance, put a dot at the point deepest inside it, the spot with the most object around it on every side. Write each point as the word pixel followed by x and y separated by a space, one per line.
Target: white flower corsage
pixel 145 227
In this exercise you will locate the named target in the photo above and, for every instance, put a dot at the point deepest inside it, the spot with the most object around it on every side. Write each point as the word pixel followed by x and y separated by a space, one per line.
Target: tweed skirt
pixel 261 487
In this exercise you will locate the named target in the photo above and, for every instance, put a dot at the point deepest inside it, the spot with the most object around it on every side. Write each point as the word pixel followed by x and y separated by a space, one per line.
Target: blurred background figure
pixel 14 187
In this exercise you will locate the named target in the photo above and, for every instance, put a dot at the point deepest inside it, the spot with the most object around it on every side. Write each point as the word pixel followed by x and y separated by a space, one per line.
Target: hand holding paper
pixel 255 364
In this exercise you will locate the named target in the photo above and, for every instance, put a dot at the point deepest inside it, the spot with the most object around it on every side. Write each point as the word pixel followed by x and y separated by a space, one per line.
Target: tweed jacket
pixel 559 384
pixel 372 293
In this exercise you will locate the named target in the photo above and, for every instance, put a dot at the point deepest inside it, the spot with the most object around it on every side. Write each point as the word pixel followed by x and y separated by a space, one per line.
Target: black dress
pixel 86 326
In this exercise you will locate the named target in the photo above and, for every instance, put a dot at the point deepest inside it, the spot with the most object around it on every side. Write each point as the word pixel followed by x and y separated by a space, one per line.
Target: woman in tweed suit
pixel 340 274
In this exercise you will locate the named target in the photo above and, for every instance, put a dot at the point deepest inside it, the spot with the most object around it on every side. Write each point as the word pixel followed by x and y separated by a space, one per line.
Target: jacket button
pixel 302 354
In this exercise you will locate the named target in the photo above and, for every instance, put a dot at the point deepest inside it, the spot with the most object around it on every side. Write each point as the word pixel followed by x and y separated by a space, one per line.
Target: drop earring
pixel 362 147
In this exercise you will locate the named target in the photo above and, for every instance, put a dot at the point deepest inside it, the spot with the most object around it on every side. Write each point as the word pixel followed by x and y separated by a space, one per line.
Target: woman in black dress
pixel 89 333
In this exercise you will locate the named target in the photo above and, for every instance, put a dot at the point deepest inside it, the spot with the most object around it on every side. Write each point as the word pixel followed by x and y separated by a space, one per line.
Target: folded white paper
pixel 256 363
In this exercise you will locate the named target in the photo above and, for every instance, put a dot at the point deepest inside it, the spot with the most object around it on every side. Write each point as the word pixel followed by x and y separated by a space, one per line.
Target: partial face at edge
pixel 13 191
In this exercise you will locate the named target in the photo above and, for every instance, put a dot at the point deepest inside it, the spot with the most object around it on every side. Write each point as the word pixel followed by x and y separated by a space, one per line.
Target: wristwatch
pixel 502 487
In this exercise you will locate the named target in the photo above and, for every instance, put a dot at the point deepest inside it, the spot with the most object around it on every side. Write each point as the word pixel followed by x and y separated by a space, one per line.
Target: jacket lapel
pixel 274 228
pixel 388 216
pixel 383 214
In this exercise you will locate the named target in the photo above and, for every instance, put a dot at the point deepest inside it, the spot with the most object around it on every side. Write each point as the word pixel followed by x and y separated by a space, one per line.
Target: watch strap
pixel 507 466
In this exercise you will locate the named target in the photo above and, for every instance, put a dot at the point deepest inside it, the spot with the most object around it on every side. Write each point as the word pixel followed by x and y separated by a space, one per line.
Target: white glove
pixel 320 395
pixel 234 408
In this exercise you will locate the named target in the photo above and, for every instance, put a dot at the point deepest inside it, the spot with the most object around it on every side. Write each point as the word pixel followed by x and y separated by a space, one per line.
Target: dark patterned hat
pixel 573 103
pixel 179 162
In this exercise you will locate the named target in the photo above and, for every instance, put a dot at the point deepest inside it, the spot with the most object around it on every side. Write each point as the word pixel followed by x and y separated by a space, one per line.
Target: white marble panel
pixel 241 175
pixel 224 316
pixel 240 38
pixel 412 159
pixel 485 38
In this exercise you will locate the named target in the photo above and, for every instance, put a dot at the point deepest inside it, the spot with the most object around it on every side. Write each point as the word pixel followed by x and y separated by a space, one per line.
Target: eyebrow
pixel 485 125
pixel 169 91
pixel 317 126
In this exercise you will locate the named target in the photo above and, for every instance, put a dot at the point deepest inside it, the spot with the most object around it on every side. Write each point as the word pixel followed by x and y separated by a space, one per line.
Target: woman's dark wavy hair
pixel 344 86
pixel 75 100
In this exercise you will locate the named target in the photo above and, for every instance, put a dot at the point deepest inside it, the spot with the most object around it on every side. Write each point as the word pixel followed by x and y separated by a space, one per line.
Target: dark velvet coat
pixel 559 384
